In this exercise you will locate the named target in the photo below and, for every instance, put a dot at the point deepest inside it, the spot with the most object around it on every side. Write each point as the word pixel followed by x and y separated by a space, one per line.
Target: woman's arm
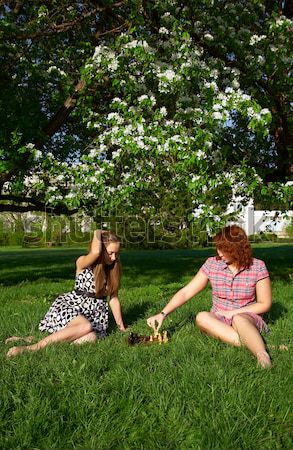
pixel 263 300
pixel 116 310
pixel 96 248
pixel 196 285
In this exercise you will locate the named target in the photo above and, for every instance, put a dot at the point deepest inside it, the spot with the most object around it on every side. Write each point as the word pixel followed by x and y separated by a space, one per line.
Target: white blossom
pixel 142 98
pixel 169 74
pixel 103 54
pixel 113 65
pixel 209 37
pixel 265 111
pixel 118 100
pixel 217 115
pixel 37 154
pixel 115 116
pixel 280 21
pixel 135 43
pixel 213 85
pixel 70 195
pixel 198 211
pixel 140 128
pixel 52 189
pixel 200 154
pixel 56 69
pixel 261 60
pixel 31 180
pixel 256 38
pixel 246 97
pixel 176 138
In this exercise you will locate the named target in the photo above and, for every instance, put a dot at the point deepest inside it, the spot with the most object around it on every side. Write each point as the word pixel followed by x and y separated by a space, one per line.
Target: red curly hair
pixel 233 241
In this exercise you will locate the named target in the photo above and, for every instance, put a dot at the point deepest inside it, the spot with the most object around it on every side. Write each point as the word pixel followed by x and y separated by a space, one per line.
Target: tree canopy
pixel 155 107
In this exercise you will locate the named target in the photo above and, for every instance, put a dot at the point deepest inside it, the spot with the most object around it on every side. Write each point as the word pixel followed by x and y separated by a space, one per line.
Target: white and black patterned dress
pixel 80 301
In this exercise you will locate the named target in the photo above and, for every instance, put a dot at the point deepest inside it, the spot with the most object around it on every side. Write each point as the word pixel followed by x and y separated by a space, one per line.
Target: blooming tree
pixel 179 108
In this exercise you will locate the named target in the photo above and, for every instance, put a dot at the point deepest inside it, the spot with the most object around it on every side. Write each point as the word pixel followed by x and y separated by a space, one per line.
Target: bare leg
pixel 90 337
pixel 209 324
pixel 77 328
pixel 27 339
pixel 251 338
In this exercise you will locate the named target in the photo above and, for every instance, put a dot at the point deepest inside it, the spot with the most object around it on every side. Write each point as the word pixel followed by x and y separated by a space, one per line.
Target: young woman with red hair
pixel 82 315
pixel 241 293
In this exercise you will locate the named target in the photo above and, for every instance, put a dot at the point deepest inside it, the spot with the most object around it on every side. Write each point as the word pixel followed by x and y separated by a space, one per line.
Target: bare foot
pixel 264 360
pixel 13 339
pixel 13 351
pixel 279 347
pixel 28 339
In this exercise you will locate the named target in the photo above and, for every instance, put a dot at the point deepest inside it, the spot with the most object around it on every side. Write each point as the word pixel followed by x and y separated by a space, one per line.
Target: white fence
pixel 255 221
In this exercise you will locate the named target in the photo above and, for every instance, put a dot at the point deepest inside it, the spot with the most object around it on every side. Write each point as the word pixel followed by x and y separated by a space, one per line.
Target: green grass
pixel 193 393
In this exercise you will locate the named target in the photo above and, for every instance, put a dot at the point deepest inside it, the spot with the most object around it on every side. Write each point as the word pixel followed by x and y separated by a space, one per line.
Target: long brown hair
pixel 233 241
pixel 107 276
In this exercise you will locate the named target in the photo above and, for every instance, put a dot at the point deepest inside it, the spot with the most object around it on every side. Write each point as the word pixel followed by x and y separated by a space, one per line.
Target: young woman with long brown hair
pixel 241 293
pixel 82 315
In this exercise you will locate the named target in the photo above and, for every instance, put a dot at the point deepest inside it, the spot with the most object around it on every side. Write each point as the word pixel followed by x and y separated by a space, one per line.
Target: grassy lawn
pixel 193 393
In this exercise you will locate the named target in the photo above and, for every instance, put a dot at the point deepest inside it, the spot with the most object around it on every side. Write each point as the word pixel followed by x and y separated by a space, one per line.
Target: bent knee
pixel 202 319
pixel 240 319
pixel 85 328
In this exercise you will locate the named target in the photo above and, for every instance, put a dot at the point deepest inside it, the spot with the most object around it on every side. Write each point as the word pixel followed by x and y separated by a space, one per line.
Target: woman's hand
pixel 155 322
pixel 196 285
pixel 95 250
pixel 125 330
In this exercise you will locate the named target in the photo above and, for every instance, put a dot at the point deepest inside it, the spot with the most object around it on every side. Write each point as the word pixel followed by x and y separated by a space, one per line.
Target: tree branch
pixel 18 7
pixel 23 204
pixel 36 201
pixel 114 30
pixel 43 208
pixel 63 27
pixel 59 118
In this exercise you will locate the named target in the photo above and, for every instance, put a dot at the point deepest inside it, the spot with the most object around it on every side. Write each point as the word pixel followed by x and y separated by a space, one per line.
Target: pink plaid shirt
pixel 234 291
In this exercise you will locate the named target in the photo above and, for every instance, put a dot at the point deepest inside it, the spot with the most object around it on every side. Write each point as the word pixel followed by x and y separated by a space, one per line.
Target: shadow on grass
pixel 131 315
pixel 140 268
pixel 276 312
pixel 159 267
pixel 278 259
pixel 34 265
pixel 175 327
